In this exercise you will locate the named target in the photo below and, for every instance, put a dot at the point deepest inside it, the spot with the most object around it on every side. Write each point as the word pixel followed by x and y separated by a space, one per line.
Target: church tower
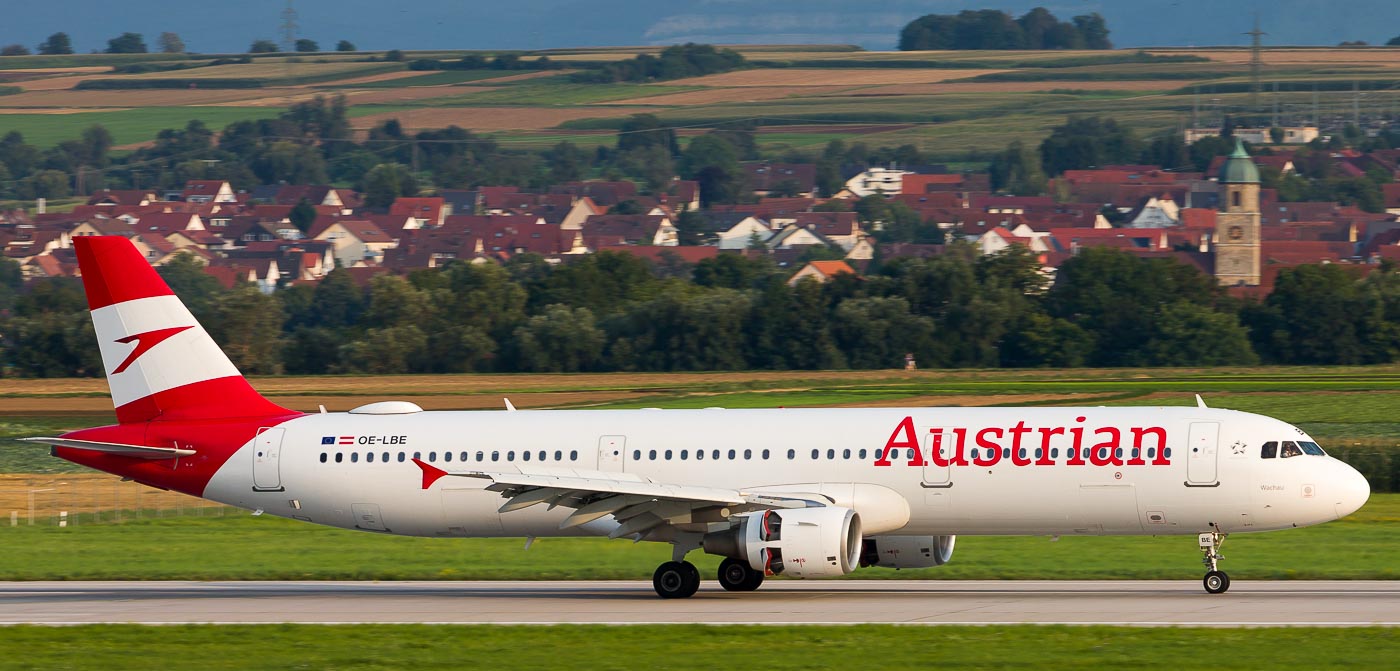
pixel 1237 224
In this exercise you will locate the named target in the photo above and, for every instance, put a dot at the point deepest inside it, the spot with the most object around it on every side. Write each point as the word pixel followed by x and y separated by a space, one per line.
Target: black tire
pixel 676 580
pixel 1216 582
pixel 738 576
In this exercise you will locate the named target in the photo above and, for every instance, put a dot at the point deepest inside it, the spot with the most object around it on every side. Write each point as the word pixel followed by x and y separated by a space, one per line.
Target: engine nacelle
pixel 907 551
pixel 798 542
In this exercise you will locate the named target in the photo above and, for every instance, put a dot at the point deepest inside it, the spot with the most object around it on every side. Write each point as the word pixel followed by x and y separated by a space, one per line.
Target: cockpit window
pixel 1290 449
pixel 1270 449
pixel 1312 448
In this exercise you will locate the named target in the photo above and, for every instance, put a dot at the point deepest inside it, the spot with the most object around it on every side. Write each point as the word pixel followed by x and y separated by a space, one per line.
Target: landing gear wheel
pixel 1216 582
pixel 738 576
pixel 676 580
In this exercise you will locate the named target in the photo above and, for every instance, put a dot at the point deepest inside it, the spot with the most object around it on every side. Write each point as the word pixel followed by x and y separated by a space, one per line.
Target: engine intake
pixel 801 542
pixel 907 551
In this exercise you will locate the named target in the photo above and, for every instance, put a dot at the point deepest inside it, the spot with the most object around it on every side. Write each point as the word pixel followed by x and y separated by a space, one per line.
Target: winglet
pixel 1200 402
pixel 431 473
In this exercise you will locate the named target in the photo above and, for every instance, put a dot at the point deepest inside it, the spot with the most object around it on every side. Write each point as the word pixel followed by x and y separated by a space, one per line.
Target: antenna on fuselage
pixel 510 407
pixel 1200 402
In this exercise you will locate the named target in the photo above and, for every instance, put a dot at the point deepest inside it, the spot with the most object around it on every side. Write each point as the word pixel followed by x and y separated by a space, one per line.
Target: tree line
pixel 616 312
pixel 60 44
pixel 991 29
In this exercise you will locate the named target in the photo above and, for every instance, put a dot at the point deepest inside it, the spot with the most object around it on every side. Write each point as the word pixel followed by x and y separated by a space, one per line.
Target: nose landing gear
pixel 1215 581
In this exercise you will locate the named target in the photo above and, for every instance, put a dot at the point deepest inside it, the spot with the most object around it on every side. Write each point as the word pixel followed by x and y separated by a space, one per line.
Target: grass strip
pixel 117 647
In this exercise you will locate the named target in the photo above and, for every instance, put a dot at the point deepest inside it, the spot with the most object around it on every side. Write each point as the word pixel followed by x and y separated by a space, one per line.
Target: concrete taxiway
pixel 1142 603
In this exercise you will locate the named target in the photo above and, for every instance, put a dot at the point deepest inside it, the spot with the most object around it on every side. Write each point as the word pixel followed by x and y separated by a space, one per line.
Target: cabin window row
pixel 449 457
pixel 833 454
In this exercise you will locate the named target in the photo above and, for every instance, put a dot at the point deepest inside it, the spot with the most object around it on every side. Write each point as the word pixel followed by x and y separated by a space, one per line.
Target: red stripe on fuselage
pixel 214 441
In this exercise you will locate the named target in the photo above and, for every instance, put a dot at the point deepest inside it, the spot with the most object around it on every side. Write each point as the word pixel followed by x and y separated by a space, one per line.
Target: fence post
pixel 14 518
pixel 62 518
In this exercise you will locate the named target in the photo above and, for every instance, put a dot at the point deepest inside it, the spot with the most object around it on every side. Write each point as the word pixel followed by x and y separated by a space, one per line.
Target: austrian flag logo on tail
pixel 144 343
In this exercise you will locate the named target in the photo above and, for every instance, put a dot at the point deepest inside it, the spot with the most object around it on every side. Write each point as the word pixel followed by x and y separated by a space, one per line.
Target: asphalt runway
pixel 1139 603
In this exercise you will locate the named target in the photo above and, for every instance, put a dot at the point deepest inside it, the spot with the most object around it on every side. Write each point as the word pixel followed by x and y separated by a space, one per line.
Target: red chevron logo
pixel 144 343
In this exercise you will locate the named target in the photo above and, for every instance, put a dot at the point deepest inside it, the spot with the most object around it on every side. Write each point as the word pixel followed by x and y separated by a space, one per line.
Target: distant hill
pixel 538 24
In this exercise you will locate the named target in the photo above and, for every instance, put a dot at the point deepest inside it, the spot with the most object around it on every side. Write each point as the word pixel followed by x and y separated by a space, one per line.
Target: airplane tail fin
pixel 160 363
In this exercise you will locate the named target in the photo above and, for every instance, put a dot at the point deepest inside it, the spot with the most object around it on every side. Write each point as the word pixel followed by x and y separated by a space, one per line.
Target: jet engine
pixel 907 551
pixel 799 542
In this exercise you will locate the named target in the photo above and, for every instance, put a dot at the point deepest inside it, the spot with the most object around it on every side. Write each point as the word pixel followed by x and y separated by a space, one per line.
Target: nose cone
pixel 1352 490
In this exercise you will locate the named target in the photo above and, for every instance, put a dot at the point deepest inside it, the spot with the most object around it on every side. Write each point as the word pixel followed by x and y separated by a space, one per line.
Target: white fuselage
pixel 1213 473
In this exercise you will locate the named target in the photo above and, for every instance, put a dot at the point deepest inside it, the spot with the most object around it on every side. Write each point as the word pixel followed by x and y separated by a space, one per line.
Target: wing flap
pixel 135 451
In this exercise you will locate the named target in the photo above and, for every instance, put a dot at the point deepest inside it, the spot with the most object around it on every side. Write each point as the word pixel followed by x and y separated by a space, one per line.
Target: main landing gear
pixel 676 580
pixel 1216 581
pixel 738 576
pixel 680 579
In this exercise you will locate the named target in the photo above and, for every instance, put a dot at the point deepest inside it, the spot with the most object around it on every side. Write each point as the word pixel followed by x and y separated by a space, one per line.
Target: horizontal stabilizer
pixel 136 451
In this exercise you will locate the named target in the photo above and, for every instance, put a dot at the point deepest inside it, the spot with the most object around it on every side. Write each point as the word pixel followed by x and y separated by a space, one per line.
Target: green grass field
pixel 128 125
pixel 800 648
pixel 243 547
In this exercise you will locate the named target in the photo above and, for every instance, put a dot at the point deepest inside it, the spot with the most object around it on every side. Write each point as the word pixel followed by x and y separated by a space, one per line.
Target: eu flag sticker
pixel 328 440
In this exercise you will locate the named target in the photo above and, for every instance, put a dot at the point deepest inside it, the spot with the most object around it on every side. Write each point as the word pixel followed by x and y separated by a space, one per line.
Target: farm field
pixel 946 103
pixel 217 648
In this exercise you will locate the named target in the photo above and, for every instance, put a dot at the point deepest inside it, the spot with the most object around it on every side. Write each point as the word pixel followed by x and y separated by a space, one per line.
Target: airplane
pixel 803 493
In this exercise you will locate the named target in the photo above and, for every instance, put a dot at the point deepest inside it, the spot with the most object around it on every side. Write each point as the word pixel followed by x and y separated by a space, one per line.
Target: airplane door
pixel 612 453
pixel 1201 454
pixel 267 471
pixel 937 476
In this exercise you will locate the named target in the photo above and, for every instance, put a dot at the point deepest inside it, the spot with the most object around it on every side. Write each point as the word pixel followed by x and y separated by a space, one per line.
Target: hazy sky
pixel 534 24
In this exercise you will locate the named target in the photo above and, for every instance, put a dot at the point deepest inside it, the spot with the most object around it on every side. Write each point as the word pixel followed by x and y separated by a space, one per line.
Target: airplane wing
pixel 137 451
pixel 639 505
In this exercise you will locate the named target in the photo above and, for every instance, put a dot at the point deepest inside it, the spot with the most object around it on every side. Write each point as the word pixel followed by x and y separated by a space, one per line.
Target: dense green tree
pixel 127 43
pixel 1018 171
pixel 386 182
pixel 170 43
pixel 304 46
pixel 646 130
pixel 14 50
pixel 345 45
pixel 1088 142
pixel 263 47
pixel 57 44
pixel 303 215
pixel 714 163
pixel 247 324
pixel 560 340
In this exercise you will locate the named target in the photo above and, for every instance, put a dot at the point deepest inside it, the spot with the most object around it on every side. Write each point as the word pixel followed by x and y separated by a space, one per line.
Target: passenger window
pixel 339 457
pixel 323 457
pixel 815 454
pixel 714 455
pixel 354 457
pixel 447 456
pixel 1270 450
pixel 846 453
pixel 636 455
pixel 558 455
pixel 748 454
pixel 668 455
pixel 543 455
pixel 1289 449
pixel 1054 453
pixel 765 455
pixel 831 454
pixel 418 456
pixel 651 455
pixel 862 453
pixel 432 456
pixel 699 455
pixel 495 456
pixel 573 455
pixel 401 457
pixel 384 457
pixel 369 457
pixel 685 454
pixel 525 455
pixel 731 455
pixel 510 455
